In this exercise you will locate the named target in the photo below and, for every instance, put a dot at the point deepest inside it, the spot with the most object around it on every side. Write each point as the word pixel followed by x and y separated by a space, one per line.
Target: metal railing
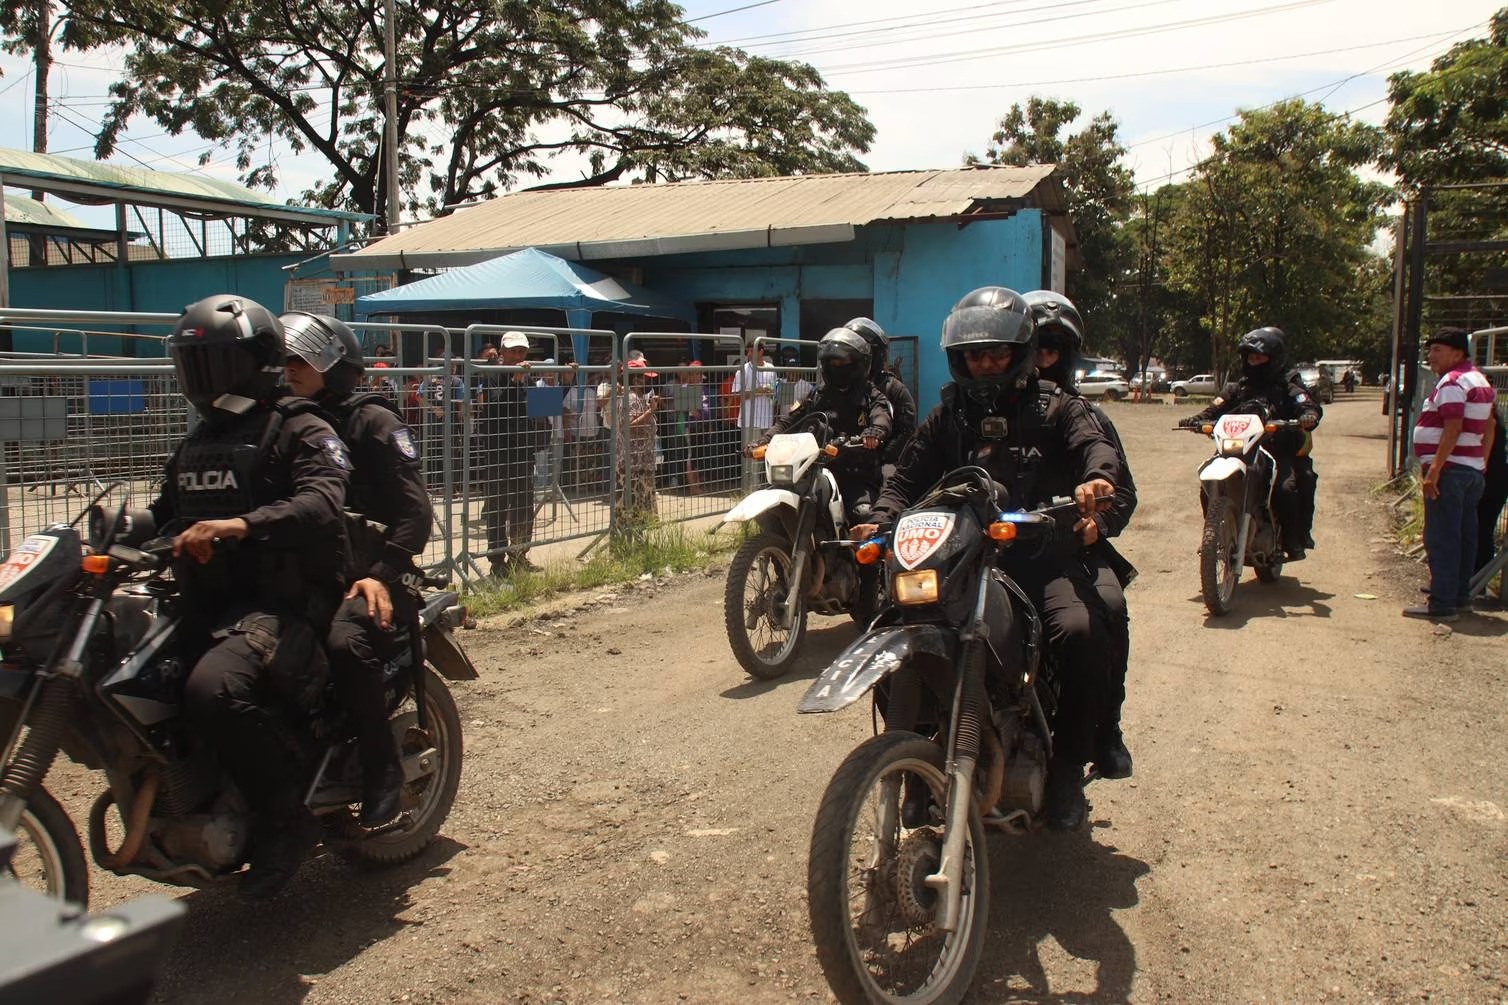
pixel 550 486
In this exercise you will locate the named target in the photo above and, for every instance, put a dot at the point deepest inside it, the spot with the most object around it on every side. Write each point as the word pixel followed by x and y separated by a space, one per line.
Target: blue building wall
pixel 913 272
pixel 151 287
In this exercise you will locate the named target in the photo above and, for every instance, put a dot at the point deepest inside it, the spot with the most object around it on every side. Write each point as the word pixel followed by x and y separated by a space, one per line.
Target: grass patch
pixel 1407 501
pixel 660 550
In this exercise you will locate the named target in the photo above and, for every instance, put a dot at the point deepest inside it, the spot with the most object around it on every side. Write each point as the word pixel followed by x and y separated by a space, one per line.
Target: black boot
pixel 1066 809
pixel 381 791
pixel 1111 758
pixel 281 844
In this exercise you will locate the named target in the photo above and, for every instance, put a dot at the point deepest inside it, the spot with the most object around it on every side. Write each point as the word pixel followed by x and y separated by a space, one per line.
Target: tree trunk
pixel 42 57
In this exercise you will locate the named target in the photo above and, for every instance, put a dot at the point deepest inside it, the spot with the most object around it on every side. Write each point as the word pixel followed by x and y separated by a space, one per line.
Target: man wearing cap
pixel 634 425
pixel 1451 443
pixel 505 459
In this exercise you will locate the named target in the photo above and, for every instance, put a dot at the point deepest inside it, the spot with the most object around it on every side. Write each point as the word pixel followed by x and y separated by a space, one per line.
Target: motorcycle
pixel 92 668
pixel 898 873
pixel 1235 493
pixel 799 561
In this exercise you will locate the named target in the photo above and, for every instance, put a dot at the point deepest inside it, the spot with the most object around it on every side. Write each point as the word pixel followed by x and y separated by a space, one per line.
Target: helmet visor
pixel 311 341
pixel 205 372
pixel 984 325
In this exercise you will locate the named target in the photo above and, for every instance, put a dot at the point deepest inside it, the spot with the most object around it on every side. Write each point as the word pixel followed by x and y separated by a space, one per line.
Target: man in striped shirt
pixel 1451 440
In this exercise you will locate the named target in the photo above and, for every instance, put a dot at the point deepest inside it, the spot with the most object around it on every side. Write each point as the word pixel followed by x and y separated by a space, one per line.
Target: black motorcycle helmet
pixel 842 360
pixel 228 353
pixel 991 316
pixel 1060 327
pixel 879 344
pixel 329 346
pixel 1269 342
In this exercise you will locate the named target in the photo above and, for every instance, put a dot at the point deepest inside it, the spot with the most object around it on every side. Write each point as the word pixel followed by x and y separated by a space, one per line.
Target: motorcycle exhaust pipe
pixel 136 825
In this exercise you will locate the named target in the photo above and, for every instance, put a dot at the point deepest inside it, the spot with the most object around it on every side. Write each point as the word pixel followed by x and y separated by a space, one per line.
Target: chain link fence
pixel 545 487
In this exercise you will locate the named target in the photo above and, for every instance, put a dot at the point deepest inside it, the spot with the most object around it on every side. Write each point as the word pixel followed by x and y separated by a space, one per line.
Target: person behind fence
pixel 1494 491
pixel 854 408
pixel 549 458
pixel 1060 338
pixel 1266 379
pixel 1451 441
pixel 507 439
pixel 259 484
pixel 635 424
pixel 583 435
pixel 388 530
pixel 1040 444
pixel 902 402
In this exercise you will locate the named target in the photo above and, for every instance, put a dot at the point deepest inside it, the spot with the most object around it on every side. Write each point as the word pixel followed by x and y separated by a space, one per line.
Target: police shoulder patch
pixel 335 451
pixel 403 441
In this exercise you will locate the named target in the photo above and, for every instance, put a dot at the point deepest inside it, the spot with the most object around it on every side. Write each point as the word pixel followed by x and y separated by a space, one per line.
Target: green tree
pixel 1098 185
pixel 491 94
pixel 1450 124
pixel 1275 226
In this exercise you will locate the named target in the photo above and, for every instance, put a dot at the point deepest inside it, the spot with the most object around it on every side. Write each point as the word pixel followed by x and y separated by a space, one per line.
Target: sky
pixel 937 76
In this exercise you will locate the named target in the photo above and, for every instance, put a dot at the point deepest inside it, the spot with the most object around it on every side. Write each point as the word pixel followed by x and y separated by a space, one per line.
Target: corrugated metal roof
pixel 110 182
pixel 20 209
pixel 737 213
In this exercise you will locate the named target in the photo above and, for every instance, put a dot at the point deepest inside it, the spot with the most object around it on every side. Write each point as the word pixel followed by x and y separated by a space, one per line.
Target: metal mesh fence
pixel 536 463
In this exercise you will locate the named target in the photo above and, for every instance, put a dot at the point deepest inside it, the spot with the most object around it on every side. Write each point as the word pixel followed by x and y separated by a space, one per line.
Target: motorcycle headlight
pixel 916 587
pixel 1232 448
pixel 7 618
pixel 782 474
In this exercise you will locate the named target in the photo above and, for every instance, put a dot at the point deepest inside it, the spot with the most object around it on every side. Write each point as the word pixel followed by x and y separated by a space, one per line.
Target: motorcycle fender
pixel 834 500
pixel 759 501
pixel 441 651
pixel 872 658
pixel 1218 469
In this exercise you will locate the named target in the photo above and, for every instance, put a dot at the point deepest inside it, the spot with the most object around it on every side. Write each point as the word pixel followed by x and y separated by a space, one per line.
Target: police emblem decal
pixel 403 439
pixel 336 451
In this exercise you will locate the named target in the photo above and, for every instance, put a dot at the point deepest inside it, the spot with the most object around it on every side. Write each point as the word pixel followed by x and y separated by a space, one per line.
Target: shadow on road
pixel 825 639
pixel 1287 598
pixel 275 953
pixel 1064 886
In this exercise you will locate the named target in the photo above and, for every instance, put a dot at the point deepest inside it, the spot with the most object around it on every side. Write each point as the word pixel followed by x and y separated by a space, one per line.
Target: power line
pixel 731 10
pixel 1154 73
pixel 819 33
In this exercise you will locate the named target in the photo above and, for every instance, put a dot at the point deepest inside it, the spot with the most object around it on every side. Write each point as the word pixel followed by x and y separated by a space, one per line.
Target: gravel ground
pixel 1316 815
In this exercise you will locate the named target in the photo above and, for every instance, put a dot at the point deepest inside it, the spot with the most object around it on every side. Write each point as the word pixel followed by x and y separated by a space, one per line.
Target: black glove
pixel 1192 422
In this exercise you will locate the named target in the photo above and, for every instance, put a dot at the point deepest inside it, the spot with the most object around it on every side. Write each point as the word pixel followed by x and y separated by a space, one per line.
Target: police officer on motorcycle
pixel 1038 442
pixel 259 482
pixel 902 404
pixel 394 514
pixel 1060 339
pixel 855 408
pixel 1266 380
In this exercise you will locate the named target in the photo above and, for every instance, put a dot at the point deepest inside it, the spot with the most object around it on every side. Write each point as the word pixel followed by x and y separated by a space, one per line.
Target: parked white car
pixel 1103 385
pixel 1203 383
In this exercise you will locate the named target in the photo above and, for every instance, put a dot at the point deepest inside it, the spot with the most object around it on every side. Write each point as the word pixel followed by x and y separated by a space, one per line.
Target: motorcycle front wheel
pixel 1218 571
pixel 873 846
pixel 755 598
pixel 426 800
pixel 48 857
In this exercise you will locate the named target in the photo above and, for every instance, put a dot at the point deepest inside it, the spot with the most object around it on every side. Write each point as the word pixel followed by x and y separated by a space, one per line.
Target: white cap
pixel 515 340
pixel 550 361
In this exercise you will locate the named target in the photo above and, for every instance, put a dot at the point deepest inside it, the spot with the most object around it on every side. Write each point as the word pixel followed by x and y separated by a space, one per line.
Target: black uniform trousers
pixel 1113 598
pixel 358 649
pixel 248 696
pixel 1293 498
pixel 1078 632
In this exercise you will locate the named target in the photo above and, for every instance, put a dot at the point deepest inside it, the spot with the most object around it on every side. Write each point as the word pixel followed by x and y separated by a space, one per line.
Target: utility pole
pixel 394 197
pixel 41 53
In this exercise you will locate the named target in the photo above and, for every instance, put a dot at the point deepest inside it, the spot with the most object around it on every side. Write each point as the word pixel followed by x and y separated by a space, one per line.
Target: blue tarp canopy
pixel 527 278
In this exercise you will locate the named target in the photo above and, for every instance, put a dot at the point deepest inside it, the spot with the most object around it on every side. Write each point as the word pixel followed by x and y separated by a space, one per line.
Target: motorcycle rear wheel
pixel 758 587
pixel 48 857
pixel 871 914
pixel 427 800
pixel 1218 572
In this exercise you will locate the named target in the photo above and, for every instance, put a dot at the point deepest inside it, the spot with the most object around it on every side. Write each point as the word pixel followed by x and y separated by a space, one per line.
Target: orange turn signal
pixel 1270 427
pixel 867 553
pixel 830 450
pixel 757 453
pixel 1002 530
pixel 95 565
pixel 1207 428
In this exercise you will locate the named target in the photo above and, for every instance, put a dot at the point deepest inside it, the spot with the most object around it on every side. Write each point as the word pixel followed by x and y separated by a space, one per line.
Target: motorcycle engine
pixel 215 841
pixel 1025 775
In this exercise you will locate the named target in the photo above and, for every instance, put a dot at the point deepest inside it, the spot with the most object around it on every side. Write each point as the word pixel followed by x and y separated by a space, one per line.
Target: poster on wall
pixel 1059 279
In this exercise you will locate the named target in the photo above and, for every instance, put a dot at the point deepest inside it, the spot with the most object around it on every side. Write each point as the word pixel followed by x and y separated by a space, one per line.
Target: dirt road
pixel 1317 811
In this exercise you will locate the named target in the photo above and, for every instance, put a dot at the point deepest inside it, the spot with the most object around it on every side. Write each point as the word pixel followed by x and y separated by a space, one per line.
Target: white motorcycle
pixel 1235 491
pixel 799 561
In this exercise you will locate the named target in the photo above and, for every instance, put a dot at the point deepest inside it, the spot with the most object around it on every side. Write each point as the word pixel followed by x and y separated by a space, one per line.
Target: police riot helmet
pixel 991 317
pixel 879 343
pixel 842 360
pixel 228 354
pixel 1060 327
pixel 1269 342
pixel 329 346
